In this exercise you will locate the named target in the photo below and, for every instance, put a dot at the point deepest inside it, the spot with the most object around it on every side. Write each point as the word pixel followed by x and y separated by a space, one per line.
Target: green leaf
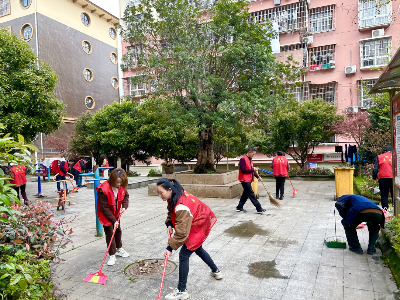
pixel 28 278
pixel 4 276
pixel 15 279
pixel 23 283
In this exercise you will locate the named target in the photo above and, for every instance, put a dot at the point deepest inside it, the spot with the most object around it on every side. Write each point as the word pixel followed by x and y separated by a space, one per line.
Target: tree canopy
pixel 215 61
pixel 28 104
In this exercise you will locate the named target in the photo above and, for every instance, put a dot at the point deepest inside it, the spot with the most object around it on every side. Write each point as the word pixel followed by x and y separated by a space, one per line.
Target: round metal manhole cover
pixel 148 269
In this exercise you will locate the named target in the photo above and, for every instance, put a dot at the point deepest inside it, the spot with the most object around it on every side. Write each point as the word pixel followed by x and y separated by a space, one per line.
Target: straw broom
pixel 272 200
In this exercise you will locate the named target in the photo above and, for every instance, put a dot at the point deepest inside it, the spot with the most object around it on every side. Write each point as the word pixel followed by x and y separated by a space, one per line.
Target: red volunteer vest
pixel 107 165
pixel 107 190
pixel 19 175
pixel 203 220
pixel 279 166
pixel 246 177
pixel 77 166
pixel 66 167
pixel 54 167
pixel 385 165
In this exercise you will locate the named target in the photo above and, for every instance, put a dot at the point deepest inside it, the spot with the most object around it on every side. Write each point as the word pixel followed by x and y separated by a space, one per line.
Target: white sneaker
pixel 121 252
pixel 112 260
pixel 177 295
pixel 217 275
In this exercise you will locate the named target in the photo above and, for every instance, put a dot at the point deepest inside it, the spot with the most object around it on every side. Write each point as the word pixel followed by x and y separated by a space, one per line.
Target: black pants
pixel 184 256
pixel 23 193
pixel 280 186
pixel 117 240
pixel 248 193
pixel 385 185
pixel 373 220
pixel 59 177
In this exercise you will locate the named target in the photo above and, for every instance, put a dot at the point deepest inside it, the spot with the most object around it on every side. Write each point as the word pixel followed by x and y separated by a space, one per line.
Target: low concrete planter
pixel 391 256
pixel 209 179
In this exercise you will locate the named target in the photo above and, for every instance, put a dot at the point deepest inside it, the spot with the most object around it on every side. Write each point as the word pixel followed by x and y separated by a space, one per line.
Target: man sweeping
pixel 383 166
pixel 246 176
pixel 280 167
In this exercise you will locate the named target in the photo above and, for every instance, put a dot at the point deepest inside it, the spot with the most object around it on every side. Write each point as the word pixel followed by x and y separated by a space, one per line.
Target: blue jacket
pixel 353 205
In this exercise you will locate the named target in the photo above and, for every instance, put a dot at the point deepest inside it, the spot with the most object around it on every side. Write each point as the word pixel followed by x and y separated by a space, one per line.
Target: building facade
pixel 79 41
pixel 337 43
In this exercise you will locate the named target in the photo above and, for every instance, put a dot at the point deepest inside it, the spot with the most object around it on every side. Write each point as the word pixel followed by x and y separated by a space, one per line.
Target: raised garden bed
pixel 391 256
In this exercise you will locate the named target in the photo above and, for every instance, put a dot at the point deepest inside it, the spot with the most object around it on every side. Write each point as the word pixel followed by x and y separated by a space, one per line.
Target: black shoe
pixel 241 210
pixel 371 251
pixel 281 197
pixel 261 211
pixel 356 250
pixel 277 196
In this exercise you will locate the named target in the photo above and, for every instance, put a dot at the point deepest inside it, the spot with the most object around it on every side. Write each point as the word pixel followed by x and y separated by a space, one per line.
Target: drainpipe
pixel 119 52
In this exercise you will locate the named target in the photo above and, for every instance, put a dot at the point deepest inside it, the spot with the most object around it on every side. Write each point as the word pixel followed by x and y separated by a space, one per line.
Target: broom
pixel 99 277
pixel 272 200
pixel 163 274
pixel 74 188
pixel 295 191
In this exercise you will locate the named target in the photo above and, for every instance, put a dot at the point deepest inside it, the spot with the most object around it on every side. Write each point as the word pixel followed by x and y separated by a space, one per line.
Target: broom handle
pixel 109 245
pixel 291 182
pixel 334 215
pixel 163 274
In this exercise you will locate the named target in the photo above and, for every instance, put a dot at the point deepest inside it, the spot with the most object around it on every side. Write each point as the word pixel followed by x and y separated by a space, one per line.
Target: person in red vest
pixel 383 171
pixel 192 221
pixel 79 168
pixel 62 170
pixel 280 167
pixel 112 201
pixel 18 176
pixel 104 163
pixel 246 175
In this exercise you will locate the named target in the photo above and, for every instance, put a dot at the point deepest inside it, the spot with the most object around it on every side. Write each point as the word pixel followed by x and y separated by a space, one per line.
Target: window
pixel 135 51
pixel 138 89
pixel 320 58
pixel 88 74
pixel 25 3
pixel 322 19
pixel 374 52
pixel 26 32
pixel 291 17
pixel 4 7
pixel 299 93
pixel 113 33
pixel 114 82
pixel 324 91
pixel 113 58
pixel 89 102
pixel 87 47
pixel 134 2
pixel 364 86
pixel 85 19
pixel 373 13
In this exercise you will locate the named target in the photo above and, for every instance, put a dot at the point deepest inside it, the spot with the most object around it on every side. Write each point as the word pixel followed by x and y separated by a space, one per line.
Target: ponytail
pixel 177 191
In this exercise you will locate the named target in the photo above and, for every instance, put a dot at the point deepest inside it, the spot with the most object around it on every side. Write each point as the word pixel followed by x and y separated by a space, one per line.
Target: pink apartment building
pixel 336 42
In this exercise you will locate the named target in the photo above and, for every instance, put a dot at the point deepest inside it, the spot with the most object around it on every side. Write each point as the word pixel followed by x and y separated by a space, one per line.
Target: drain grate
pixel 148 269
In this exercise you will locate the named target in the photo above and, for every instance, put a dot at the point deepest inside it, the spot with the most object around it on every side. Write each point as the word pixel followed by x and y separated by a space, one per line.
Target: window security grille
pixel 324 91
pixel 291 17
pixel 321 58
pixel 4 7
pixel 364 86
pixel 138 89
pixel 135 51
pixel 374 12
pixel 322 19
pixel 300 93
pixel 134 2
pixel 374 53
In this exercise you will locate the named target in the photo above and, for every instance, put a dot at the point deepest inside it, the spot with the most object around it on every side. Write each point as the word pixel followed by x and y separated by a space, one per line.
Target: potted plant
pixel 168 167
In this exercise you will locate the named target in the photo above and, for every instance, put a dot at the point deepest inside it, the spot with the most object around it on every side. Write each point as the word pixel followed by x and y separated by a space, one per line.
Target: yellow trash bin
pixel 254 186
pixel 343 182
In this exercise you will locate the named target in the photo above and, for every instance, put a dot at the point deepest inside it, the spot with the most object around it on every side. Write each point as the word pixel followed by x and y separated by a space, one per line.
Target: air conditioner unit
pixel 378 32
pixel 277 2
pixel 350 69
pixel 351 109
pixel 308 40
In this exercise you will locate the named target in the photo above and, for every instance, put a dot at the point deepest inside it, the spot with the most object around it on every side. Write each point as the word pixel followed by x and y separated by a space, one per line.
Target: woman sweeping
pixel 18 176
pixel 113 200
pixel 192 221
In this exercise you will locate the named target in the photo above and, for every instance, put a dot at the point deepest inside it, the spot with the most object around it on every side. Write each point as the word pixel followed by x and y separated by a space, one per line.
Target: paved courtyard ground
pixel 278 255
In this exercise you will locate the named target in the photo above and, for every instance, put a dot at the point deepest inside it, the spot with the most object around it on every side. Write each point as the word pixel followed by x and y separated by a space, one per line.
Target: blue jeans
pixel 59 177
pixel 184 264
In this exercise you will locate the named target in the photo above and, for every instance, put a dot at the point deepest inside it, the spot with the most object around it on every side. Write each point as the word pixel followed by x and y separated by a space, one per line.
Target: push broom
pixel 163 274
pixel 99 277
pixel 295 191
pixel 272 200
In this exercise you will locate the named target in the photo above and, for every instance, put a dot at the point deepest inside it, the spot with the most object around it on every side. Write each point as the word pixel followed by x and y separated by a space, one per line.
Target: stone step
pixel 135 182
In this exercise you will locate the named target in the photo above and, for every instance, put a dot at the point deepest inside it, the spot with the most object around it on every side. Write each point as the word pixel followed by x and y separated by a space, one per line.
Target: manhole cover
pixel 149 268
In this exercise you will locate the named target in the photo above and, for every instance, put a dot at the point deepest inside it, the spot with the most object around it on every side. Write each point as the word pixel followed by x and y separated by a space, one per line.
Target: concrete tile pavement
pixel 288 244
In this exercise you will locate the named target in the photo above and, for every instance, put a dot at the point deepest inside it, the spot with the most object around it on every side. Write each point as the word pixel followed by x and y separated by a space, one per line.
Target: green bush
pixel 394 227
pixel 153 172
pixel 310 172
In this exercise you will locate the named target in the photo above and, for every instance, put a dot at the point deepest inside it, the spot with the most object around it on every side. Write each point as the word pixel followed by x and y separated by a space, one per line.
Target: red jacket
pixel 65 166
pixel 203 220
pixel 385 165
pixel 107 190
pixel 246 177
pixel 77 166
pixel 19 175
pixel 279 166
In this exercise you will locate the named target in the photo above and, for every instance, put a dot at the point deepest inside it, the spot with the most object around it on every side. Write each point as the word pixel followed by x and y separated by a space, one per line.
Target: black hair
pixel 103 156
pixel 71 159
pixel 279 153
pixel 389 148
pixel 177 191
pixel 251 149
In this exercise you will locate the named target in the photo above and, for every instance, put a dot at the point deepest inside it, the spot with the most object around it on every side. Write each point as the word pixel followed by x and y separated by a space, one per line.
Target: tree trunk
pixel 205 158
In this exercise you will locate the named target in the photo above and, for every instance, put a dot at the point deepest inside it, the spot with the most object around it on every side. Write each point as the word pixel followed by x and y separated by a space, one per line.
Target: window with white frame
pixel 374 52
pixel 325 91
pixel 135 51
pixel 322 19
pixel 299 92
pixel 374 12
pixel 138 89
pixel 364 86
pixel 320 58
pixel 4 7
pixel 291 17
pixel 134 2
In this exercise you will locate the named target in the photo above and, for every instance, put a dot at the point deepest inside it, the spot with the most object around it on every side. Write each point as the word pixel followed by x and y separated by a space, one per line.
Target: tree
pixel 28 104
pixel 298 128
pixel 215 61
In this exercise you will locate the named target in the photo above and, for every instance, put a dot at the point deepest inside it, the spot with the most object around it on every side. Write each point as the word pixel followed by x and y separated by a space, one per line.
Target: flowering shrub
pixel 311 172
